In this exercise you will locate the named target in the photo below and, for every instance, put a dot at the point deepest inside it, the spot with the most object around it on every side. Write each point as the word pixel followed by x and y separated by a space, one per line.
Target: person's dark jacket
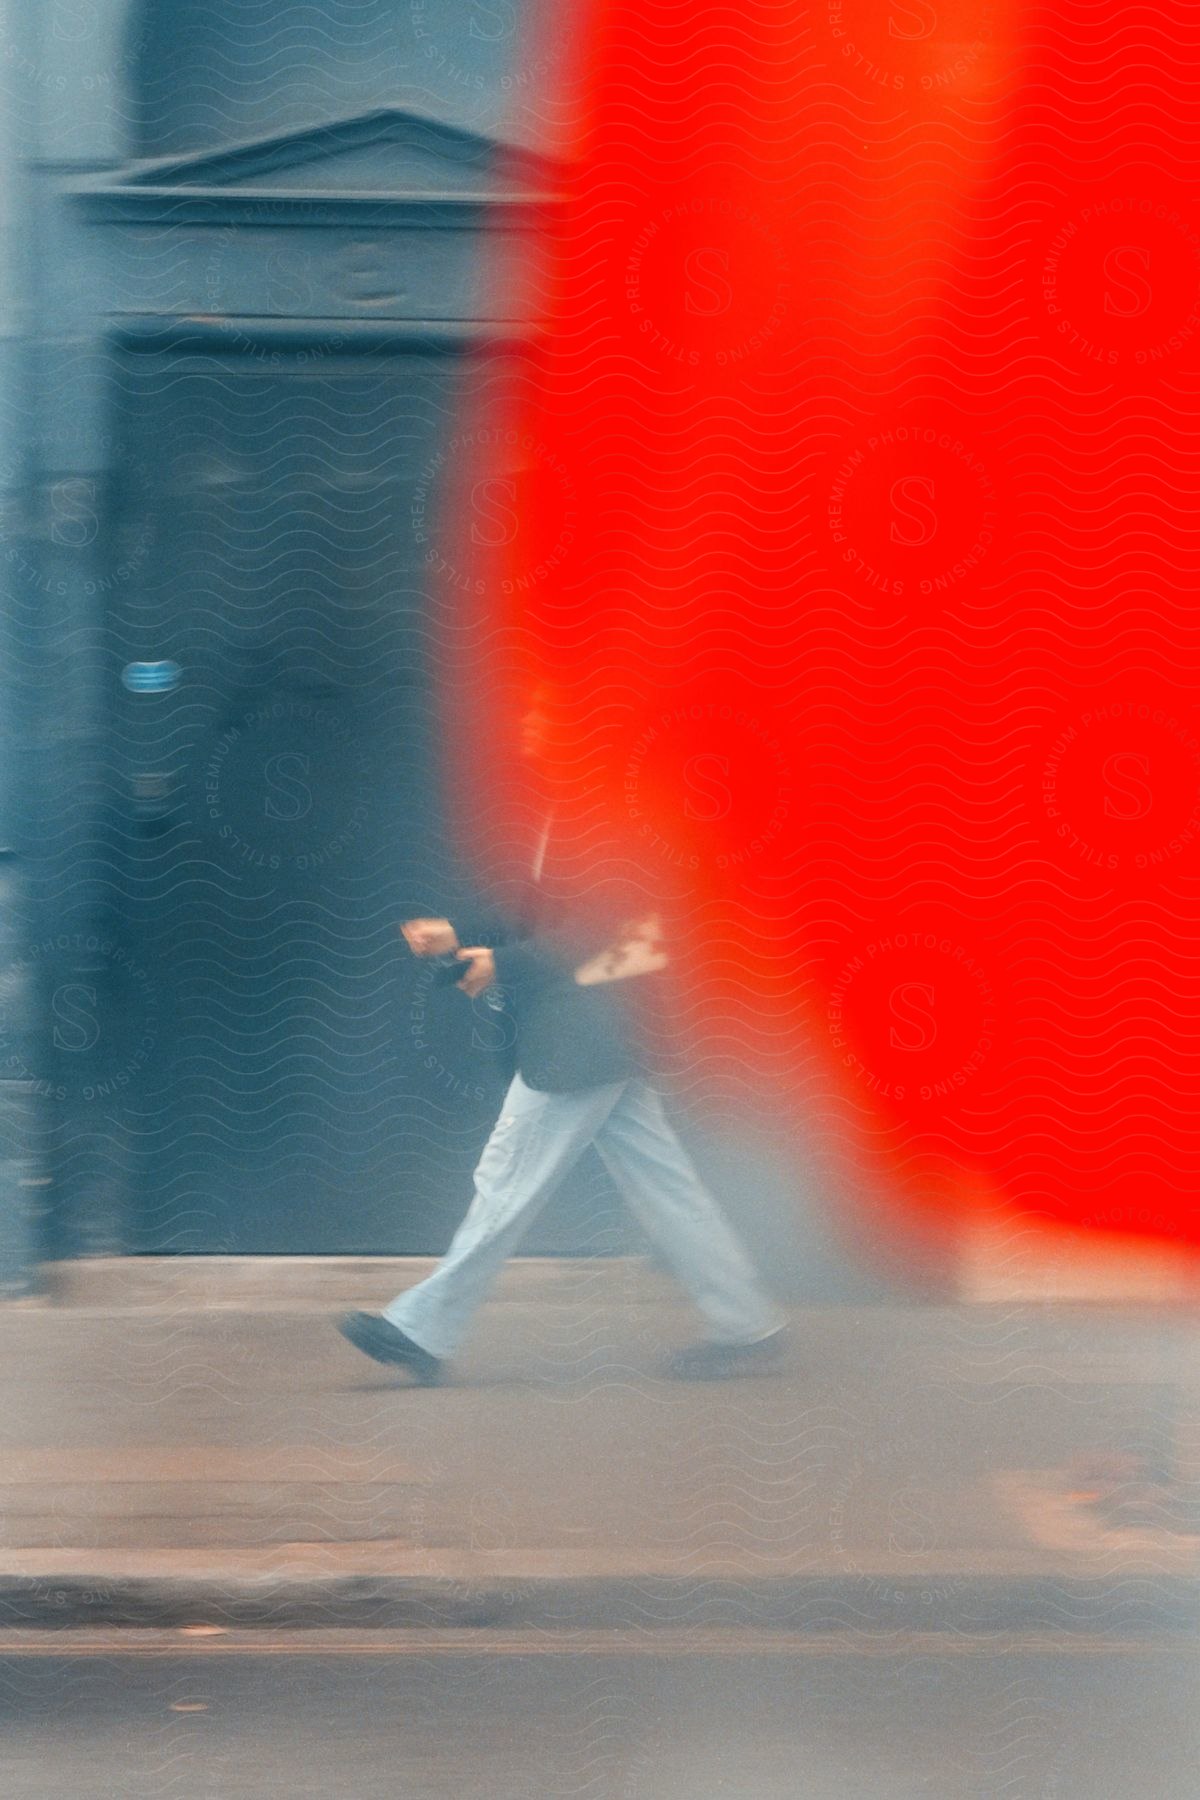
pixel 568 1036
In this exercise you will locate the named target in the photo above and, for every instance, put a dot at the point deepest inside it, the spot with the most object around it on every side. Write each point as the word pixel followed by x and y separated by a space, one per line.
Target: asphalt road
pixel 325 1715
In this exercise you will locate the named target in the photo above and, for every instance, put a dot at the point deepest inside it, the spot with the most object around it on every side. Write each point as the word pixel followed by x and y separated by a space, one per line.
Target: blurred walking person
pixel 571 970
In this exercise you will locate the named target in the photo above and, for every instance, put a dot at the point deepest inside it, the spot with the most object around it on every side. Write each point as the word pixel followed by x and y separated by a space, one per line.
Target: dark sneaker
pixel 386 1343
pixel 724 1362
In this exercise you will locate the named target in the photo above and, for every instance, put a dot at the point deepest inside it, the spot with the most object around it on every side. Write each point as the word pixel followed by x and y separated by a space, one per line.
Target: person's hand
pixel 483 971
pixel 429 937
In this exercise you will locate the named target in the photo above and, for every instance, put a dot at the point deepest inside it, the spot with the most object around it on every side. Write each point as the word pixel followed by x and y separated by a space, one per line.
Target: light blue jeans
pixel 535 1142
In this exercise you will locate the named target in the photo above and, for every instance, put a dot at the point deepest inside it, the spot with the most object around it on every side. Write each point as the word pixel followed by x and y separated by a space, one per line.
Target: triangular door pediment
pixel 395 154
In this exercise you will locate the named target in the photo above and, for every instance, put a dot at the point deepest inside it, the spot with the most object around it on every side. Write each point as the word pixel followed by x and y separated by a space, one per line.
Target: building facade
pixel 255 261
pixel 251 258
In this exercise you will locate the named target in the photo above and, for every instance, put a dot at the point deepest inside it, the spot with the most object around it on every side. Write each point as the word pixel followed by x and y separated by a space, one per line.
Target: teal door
pixel 276 805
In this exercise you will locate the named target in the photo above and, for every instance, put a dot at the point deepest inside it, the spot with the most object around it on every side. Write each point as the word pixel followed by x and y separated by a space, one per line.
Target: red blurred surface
pixel 854 517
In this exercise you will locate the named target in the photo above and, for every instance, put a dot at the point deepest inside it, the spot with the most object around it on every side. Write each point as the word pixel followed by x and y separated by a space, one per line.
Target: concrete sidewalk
pixel 201 1467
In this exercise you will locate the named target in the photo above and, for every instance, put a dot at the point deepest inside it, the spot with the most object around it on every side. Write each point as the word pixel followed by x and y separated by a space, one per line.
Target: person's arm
pixel 522 965
pixel 431 935
pixel 524 958
pixel 478 939
pixel 522 953
pixel 550 954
